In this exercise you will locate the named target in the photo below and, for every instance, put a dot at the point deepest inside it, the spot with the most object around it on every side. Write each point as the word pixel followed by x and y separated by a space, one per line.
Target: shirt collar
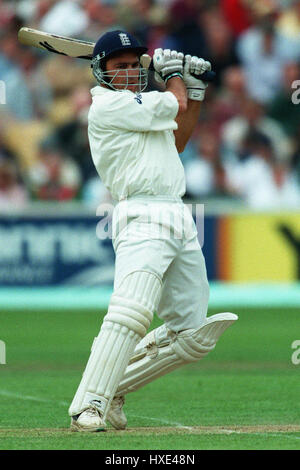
pixel 101 90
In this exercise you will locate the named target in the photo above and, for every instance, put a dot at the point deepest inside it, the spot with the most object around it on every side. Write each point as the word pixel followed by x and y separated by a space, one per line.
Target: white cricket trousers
pixel 157 234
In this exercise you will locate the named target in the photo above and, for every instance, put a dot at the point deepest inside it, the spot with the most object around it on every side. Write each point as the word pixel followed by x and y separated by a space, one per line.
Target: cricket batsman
pixel 135 138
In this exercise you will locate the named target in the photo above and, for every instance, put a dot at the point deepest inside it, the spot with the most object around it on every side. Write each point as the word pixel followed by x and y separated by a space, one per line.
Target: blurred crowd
pixel 246 145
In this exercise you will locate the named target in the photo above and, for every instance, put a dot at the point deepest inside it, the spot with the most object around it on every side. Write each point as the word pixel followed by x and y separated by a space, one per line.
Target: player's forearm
pixel 176 86
pixel 187 122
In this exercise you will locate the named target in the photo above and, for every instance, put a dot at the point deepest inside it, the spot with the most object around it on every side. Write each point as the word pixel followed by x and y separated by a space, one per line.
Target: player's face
pixel 127 66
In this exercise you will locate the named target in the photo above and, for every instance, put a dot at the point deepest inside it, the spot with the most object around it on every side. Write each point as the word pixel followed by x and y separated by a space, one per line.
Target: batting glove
pixel 195 86
pixel 167 64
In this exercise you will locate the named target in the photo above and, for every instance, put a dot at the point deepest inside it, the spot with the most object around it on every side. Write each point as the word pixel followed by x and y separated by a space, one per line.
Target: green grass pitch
pixel 243 395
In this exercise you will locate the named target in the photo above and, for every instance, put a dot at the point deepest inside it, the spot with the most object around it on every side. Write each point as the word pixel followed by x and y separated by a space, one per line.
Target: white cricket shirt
pixel 132 142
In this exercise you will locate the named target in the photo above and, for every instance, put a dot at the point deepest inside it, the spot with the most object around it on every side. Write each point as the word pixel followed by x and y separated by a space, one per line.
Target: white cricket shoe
pixel 88 421
pixel 116 415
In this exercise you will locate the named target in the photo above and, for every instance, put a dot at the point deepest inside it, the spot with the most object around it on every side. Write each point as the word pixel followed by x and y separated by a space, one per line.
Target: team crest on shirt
pixel 138 98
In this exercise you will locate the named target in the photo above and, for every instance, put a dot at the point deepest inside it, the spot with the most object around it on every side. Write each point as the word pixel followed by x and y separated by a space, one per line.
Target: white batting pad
pixel 105 367
pixel 163 351
pixel 128 318
pixel 135 300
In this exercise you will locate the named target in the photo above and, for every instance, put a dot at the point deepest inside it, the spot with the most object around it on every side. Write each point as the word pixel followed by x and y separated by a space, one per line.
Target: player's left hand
pixel 195 86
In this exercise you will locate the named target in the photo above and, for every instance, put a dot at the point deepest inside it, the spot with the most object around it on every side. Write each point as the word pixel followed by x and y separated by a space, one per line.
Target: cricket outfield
pixel 244 395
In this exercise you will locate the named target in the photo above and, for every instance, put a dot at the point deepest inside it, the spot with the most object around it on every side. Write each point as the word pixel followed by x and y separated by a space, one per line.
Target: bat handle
pixel 208 76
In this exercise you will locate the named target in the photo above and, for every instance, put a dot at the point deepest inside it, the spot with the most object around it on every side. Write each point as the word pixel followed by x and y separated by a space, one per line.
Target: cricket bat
pixel 77 48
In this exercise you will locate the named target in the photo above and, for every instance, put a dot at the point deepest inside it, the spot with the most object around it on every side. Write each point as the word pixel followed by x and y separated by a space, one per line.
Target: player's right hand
pixel 194 67
pixel 167 64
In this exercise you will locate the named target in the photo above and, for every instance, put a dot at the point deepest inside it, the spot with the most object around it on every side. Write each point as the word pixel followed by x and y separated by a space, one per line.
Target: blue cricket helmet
pixel 117 41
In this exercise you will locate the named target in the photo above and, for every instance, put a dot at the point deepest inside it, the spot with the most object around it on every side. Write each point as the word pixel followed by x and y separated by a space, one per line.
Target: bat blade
pixel 63 45
pixel 57 44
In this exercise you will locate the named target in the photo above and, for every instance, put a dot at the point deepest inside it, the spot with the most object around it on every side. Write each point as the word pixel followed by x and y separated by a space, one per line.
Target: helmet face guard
pixel 107 77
